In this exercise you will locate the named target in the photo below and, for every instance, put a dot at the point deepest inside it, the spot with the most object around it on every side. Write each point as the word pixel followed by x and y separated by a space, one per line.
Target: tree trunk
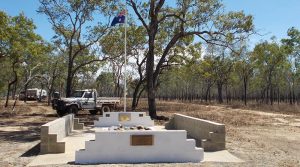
pixel 278 94
pixel 7 94
pixel 290 95
pixel 25 92
pixel 150 85
pixel 293 94
pixel 135 96
pixel 118 85
pixel 14 91
pixel 139 95
pixel 69 77
pixel 245 91
pixel 8 91
pixel 226 92
pixel 150 72
pixel 220 96
pixel 207 92
pixel 69 85
pixel 10 84
pixel 271 94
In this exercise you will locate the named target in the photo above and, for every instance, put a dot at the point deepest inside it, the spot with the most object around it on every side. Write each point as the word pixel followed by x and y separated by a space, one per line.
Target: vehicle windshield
pixel 77 94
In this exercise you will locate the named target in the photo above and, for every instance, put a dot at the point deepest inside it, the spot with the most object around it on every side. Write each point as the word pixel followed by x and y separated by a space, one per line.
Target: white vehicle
pixel 84 100
pixel 34 94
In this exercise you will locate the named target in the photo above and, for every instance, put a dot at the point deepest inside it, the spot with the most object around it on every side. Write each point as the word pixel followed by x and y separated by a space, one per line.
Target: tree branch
pixel 159 6
pixel 133 5
pixel 171 15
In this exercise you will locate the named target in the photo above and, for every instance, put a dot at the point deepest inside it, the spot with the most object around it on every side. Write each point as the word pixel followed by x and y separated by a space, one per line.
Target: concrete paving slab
pixel 220 156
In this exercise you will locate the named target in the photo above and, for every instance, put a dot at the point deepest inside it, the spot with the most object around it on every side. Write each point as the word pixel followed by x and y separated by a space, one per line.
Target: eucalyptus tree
pixel 292 44
pixel 244 68
pixel 105 84
pixel 77 30
pixel 52 72
pixel 137 48
pixel 270 59
pixel 205 70
pixel 21 43
pixel 113 45
pixel 222 66
pixel 4 34
pixel 204 19
pixel 33 65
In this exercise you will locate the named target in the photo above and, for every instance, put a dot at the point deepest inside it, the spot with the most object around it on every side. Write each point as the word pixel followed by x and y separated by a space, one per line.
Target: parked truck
pixel 84 100
pixel 34 94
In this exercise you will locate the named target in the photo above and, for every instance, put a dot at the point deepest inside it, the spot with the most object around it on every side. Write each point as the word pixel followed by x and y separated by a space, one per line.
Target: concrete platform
pixel 74 142
pixel 77 140
pixel 220 156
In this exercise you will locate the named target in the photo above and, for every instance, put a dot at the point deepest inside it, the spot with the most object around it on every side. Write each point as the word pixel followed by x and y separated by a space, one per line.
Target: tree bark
pixel 135 95
pixel 69 78
pixel 139 96
pixel 150 81
pixel 14 91
pixel 245 90
pixel 10 84
pixel 25 92
pixel 220 95
pixel 150 65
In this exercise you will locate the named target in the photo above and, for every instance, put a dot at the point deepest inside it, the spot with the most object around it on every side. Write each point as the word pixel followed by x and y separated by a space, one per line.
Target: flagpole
pixel 125 62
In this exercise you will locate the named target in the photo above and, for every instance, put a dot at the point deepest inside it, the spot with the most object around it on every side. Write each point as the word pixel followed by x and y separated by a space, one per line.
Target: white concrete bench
pixel 208 135
pixel 53 133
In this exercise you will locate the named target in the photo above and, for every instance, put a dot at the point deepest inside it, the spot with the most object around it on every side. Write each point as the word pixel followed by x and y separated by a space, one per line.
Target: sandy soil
pixel 259 138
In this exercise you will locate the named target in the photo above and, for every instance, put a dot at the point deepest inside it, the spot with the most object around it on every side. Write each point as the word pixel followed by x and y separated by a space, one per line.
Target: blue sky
pixel 271 17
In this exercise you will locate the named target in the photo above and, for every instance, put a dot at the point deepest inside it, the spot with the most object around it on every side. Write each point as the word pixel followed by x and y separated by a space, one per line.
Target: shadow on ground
pixel 30 135
pixel 34 151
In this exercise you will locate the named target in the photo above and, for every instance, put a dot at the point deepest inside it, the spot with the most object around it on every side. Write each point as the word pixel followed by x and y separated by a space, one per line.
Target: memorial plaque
pixel 107 115
pixel 141 140
pixel 141 115
pixel 123 117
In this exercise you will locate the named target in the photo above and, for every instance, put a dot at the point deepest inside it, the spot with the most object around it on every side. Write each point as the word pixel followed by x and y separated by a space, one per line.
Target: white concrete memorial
pixel 131 137
pixel 124 118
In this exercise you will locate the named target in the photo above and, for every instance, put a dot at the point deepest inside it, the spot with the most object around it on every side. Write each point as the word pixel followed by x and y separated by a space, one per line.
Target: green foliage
pixel 76 32
pixel 21 48
pixel 105 84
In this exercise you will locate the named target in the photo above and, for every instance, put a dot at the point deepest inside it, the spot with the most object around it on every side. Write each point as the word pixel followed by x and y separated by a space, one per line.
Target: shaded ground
pixel 261 138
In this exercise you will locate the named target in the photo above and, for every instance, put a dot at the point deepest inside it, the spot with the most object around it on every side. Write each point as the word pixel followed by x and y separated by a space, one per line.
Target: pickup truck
pixel 84 100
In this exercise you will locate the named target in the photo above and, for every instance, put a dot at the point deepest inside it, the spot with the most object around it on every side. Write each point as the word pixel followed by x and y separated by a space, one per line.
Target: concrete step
pixel 209 145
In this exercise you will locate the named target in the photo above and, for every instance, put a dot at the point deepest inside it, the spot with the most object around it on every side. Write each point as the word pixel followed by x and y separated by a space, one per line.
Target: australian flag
pixel 119 19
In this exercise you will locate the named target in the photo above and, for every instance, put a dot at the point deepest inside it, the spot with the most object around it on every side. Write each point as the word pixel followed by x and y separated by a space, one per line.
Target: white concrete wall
pixel 62 126
pixel 200 129
pixel 113 119
pixel 54 132
pixel 115 147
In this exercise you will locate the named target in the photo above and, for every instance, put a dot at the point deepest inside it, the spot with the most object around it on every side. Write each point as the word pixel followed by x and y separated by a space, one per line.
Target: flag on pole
pixel 119 19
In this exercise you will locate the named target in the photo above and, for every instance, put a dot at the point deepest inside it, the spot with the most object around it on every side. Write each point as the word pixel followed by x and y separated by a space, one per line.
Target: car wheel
pixel 73 109
pixel 60 113
pixel 105 109
pixel 93 112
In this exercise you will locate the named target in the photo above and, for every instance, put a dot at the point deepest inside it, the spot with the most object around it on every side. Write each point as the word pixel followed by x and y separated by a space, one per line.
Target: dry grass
pixel 222 114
